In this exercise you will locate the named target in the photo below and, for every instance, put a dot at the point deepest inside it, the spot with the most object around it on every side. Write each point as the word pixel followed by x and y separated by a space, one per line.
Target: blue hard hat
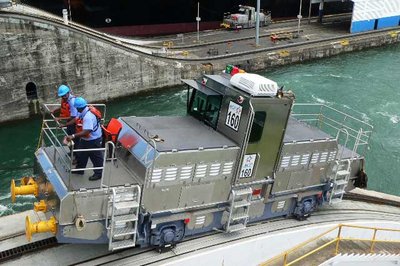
pixel 62 90
pixel 80 102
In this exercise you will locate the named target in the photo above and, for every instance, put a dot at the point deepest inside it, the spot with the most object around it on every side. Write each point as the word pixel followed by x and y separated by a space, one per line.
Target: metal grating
pixel 18 251
pixel 186 172
pixel 227 169
pixel 171 174
pixel 315 157
pixel 295 160
pixel 215 169
pixel 285 161
pixel 200 220
pixel 324 157
pixel 332 156
pixel 156 175
pixel 201 170
pixel 305 158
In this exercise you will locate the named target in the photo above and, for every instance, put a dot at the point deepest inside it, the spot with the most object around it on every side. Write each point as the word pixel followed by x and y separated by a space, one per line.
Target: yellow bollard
pixel 40 206
pixel 27 187
pixel 40 227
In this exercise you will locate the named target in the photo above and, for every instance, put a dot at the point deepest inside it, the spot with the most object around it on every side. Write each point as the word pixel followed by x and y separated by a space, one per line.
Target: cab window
pixel 258 126
pixel 205 107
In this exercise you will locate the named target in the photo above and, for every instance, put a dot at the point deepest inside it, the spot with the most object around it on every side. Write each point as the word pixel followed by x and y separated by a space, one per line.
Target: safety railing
pixel 53 135
pixel 333 121
pixel 283 258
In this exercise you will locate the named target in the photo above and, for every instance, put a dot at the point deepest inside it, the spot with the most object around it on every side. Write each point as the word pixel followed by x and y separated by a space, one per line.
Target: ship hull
pixel 155 17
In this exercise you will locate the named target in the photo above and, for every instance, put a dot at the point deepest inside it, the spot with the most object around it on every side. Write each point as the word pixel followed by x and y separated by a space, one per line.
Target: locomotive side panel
pixel 189 178
pixel 304 165
pixel 90 204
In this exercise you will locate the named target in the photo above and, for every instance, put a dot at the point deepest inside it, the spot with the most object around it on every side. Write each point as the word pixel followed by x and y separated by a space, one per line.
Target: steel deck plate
pixel 114 174
pixel 300 131
pixel 174 132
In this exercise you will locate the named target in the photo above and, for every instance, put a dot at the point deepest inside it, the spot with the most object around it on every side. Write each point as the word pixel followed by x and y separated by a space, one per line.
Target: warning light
pixel 228 69
pixel 234 71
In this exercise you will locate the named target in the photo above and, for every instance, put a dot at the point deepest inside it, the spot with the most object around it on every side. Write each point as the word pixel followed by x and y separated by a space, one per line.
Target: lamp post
pixel 258 23
pixel 70 12
pixel 198 19
pixel 299 17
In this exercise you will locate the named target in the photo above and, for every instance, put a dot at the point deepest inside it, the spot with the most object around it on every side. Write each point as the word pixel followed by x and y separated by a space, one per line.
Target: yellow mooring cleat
pixel 40 227
pixel 28 187
pixel 40 206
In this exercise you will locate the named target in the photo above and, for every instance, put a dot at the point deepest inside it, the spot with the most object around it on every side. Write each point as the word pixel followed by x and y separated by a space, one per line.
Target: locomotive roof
pixel 299 131
pixel 180 133
pixel 248 84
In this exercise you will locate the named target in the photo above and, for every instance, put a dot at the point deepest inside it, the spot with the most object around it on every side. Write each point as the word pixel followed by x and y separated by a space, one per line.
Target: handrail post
pixel 320 116
pixel 373 241
pixel 70 166
pixel 285 259
pixel 338 239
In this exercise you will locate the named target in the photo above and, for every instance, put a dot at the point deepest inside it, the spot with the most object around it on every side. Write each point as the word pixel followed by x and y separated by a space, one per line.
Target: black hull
pixel 154 17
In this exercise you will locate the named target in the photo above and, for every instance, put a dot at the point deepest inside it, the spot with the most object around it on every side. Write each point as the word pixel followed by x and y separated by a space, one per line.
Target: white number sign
pixel 233 116
pixel 249 161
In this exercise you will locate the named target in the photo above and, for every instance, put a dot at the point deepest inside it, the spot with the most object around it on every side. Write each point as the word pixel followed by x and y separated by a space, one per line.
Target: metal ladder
pixel 122 217
pixel 239 209
pixel 340 181
pixel 342 173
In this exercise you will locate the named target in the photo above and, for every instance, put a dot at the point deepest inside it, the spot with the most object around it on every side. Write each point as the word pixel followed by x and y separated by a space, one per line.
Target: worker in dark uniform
pixel 90 138
pixel 68 111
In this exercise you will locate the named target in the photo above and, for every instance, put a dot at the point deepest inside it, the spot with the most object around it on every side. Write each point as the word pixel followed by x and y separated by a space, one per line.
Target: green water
pixel 363 84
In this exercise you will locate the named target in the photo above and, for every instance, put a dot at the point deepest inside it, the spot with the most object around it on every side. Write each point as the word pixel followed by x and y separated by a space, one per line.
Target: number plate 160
pixel 233 116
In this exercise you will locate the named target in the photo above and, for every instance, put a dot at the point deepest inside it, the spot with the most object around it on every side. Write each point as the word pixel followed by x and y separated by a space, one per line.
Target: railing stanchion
pixel 338 239
pixel 285 259
pixel 373 241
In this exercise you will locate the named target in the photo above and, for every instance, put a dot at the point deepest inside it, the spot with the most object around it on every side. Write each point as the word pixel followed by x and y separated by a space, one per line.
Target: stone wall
pixel 49 55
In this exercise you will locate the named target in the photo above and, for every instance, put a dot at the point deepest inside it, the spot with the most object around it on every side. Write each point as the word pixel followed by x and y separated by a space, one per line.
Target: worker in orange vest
pixel 68 111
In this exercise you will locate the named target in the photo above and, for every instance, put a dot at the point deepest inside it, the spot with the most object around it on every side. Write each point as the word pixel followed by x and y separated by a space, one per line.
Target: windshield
pixel 205 107
pixel 242 11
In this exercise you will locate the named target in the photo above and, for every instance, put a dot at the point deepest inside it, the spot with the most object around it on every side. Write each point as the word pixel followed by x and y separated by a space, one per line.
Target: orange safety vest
pixel 64 111
pixel 79 121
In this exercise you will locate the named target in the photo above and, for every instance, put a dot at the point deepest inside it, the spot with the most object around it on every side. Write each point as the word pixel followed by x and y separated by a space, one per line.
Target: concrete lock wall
pixel 45 56
pixel 40 56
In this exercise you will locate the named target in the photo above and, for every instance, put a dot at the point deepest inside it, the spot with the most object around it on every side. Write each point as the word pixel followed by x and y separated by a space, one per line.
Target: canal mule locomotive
pixel 244 153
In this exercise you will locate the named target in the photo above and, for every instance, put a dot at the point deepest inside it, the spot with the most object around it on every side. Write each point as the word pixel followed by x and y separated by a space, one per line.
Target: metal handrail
pixel 54 140
pixel 57 105
pixel 106 146
pixel 284 255
pixel 329 119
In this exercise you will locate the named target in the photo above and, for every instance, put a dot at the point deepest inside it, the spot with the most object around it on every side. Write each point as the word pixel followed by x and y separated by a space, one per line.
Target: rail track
pixel 99 255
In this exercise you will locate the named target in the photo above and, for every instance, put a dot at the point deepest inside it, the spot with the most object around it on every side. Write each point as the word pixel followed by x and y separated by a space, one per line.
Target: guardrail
pixel 335 122
pixel 52 135
pixel 373 240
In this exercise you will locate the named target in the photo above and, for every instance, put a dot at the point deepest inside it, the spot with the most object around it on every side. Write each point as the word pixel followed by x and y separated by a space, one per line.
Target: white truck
pixel 245 18
pixel 5 3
